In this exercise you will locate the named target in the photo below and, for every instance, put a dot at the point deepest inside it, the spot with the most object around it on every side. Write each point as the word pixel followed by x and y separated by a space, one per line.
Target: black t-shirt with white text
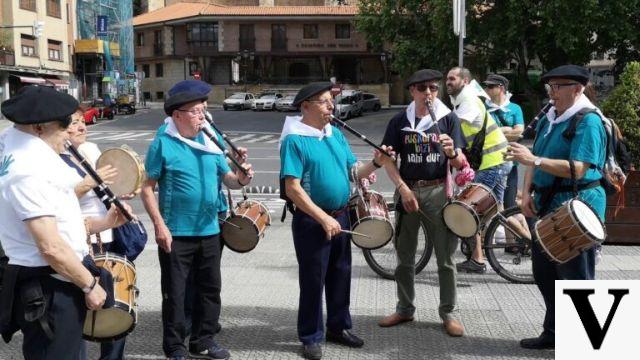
pixel 422 158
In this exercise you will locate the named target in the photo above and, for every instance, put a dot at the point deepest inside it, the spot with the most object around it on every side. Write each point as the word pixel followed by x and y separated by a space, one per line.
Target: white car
pixel 349 104
pixel 285 104
pixel 266 101
pixel 238 101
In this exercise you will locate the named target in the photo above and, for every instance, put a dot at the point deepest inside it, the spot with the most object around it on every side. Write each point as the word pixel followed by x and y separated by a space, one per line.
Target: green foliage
pixel 623 105
pixel 6 39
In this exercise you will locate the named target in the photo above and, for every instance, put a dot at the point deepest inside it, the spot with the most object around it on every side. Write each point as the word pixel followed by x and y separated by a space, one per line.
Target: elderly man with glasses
pixel 188 168
pixel 316 166
pixel 425 146
pixel 548 184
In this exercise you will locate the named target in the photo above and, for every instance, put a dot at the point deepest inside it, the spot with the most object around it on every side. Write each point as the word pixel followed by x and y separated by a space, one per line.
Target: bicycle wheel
pixel 507 251
pixel 383 260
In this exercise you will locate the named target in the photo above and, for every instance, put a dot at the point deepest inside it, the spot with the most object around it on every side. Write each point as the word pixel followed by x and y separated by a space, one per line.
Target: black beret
pixel 310 91
pixel 180 98
pixel 423 75
pixel 39 104
pixel 495 79
pixel 573 72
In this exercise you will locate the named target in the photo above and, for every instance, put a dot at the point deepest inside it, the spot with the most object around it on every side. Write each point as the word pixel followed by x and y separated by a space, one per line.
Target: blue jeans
pixel 495 178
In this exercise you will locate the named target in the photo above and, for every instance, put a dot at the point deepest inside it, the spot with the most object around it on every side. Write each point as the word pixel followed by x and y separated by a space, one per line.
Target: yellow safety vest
pixel 495 143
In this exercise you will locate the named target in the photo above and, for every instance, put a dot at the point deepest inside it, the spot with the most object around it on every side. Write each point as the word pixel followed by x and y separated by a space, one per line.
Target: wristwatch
pixel 537 162
pixel 88 289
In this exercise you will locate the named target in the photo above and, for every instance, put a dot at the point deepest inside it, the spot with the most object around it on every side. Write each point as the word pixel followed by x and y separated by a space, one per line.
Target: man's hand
pixel 241 155
pixel 409 201
pixel 447 145
pixel 163 237
pixel 107 173
pixel 95 298
pixel 115 217
pixel 528 205
pixel 245 179
pixel 520 153
pixel 331 226
pixel 382 159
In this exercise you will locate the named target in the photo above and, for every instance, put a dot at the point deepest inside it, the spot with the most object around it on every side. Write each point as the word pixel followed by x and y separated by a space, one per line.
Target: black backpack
pixel 612 174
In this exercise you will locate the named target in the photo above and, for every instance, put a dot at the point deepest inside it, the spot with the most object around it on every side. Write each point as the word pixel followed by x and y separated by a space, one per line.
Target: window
pixel 159 70
pixel 343 31
pixel 310 31
pixel 146 95
pixel 55 50
pixel 140 39
pixel 145 70
pixel 157 43
pixel 203 34
pixel 28 5
pixel 53 8
pixel 28 44
pixel 159 95
pixel 278 37
pixel 247 37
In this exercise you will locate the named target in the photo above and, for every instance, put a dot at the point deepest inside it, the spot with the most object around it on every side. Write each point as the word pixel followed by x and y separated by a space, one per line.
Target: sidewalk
pixel 260 300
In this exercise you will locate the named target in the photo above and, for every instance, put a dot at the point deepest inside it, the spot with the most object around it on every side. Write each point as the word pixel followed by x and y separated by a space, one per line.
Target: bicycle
pixel 383 260
pixel 509 259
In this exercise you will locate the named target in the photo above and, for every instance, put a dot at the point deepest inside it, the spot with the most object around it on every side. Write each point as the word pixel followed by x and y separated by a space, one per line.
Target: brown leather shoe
pixel 394 319
pixel 453 327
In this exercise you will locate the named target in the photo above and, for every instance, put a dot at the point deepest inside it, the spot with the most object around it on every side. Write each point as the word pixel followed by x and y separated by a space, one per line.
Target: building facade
pixel 26 58
pixel 255 47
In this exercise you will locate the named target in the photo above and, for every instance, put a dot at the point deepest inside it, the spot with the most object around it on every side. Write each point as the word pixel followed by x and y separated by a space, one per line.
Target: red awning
pixel 32 80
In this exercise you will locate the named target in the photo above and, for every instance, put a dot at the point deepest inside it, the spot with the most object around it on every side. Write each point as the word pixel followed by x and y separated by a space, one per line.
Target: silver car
pixel 371 102
pixel 285 104
pixel 266 101
pixel 238 101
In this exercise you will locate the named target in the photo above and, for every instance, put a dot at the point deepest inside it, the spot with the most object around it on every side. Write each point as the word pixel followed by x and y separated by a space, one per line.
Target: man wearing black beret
pixel 556 158
pixel 188 168
pixel 47 289
pixel 425 147
pixel 316 163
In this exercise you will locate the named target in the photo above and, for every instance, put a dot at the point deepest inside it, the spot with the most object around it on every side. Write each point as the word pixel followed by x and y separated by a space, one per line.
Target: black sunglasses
pixel 423 87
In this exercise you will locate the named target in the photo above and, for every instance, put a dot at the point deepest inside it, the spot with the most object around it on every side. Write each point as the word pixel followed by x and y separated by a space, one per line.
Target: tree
pixel 623 105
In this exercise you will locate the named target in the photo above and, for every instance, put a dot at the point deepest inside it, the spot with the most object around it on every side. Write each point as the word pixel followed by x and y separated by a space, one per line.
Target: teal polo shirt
pixel 322 165
pixel 588 145
pixel 512 117
pixel 189 183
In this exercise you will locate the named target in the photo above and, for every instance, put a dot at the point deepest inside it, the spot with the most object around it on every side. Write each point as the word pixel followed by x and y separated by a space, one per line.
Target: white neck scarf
pixel 440 110
pixel 208 145
pixel 583 102
pixel 491 106
pixel 294 125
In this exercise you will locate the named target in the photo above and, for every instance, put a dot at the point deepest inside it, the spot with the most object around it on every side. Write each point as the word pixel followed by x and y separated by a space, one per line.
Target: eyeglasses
pixel 325 102
pixel 556 87
pixel 424 87
pixel 194 112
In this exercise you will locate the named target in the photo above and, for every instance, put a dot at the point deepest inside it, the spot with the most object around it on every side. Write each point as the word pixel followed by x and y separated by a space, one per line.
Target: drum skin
pixel 470 209
pixel 117 322
pixel 568 230
pixel 251 219
pixel 130 170
pixel 369 215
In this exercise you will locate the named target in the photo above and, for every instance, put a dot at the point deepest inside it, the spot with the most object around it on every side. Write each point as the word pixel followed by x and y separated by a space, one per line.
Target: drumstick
pixel 355 233
pixel 232 224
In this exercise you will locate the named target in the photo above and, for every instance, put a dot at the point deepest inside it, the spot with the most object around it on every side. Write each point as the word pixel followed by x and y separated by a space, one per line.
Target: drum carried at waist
pixel 369 215
pixel 130 169
pixel 242 231
pixel 468 211
pixel 570 229
pixel 116 322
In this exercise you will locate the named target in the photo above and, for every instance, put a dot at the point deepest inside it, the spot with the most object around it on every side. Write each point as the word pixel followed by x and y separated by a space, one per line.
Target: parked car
pixel 266 101
pixel 371 102
pixel 95 110
pixel 349 104
pixel 238 101
pixel 285 103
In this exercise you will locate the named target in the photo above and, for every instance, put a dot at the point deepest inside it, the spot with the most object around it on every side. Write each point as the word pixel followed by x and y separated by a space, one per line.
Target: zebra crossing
pixel 136 136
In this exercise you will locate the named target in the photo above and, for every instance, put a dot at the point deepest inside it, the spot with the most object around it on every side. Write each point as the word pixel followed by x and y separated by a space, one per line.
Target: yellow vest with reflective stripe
pixel 495 143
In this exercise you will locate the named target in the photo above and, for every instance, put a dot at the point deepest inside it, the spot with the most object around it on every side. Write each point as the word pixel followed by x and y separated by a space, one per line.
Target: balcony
pixel 202 49
pixel 7 57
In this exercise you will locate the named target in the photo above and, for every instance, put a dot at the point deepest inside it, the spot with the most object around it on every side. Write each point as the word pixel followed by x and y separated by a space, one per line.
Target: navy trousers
pixel 545 272
pixel 322 265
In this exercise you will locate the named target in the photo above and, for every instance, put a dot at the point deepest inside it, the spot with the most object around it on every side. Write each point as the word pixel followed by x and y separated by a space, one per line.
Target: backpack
pixel 613 177
pixel 474 152
pixel 288 205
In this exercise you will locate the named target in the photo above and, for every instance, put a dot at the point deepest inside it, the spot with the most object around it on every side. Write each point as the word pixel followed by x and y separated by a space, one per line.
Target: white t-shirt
pixel 89 202
pixel 36 182
pixel 467 107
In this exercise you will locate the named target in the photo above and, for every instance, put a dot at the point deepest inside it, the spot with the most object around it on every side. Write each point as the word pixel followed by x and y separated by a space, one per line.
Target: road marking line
pixel 264 137
pixel 127 136
pixel 247 136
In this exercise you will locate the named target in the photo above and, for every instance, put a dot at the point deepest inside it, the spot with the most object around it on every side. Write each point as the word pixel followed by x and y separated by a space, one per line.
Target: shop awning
pixel 32 80
pixel 59 83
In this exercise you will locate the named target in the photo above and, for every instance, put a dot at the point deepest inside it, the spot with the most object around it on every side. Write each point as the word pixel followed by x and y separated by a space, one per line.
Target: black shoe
pixel 472 266
pixel 345 337
pixel 213 352
pixel 312 351
pixel 538 343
